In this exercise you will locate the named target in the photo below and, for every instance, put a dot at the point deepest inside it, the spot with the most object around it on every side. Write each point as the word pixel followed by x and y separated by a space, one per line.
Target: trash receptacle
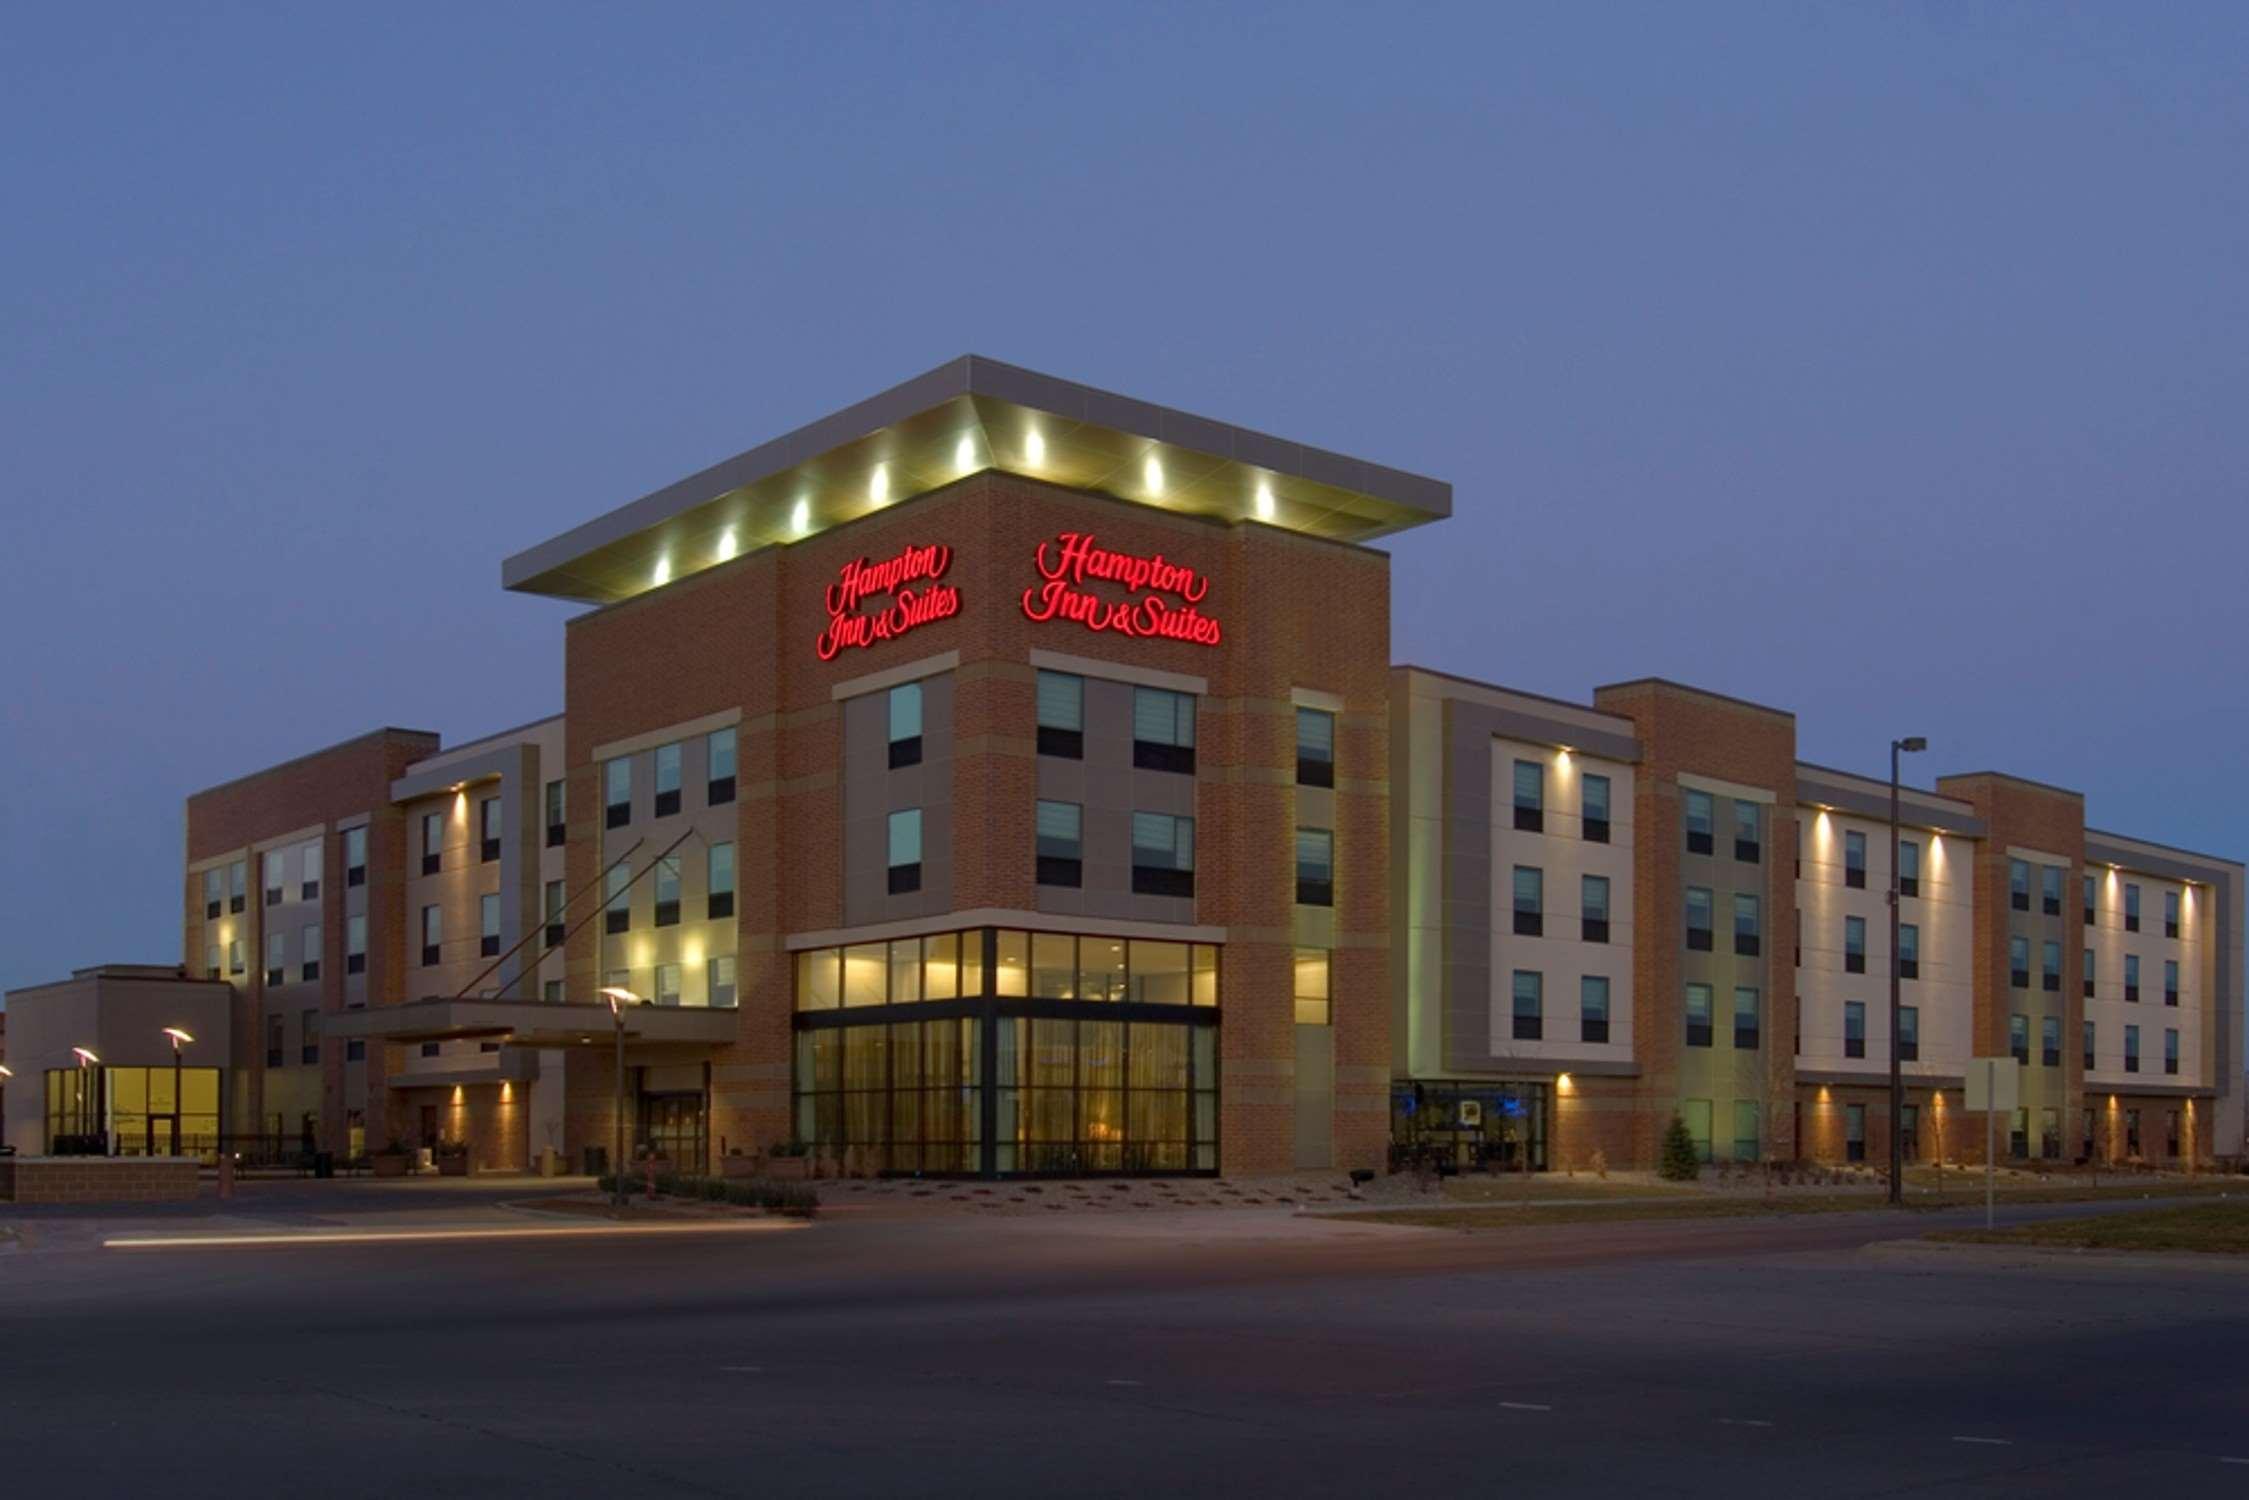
pixel 324 1164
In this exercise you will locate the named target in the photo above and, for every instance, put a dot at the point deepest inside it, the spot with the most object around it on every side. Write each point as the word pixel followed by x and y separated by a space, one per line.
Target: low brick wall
pixel 97 1179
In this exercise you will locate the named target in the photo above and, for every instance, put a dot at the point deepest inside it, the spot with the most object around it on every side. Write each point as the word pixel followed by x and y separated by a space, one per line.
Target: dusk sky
pixel 1888 364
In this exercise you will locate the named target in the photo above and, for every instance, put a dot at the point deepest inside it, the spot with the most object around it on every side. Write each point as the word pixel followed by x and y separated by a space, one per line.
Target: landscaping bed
pixel 2211 1228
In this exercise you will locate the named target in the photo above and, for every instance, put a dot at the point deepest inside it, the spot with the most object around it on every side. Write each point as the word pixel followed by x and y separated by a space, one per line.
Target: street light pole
pixel 619 997
pixel 178 1038
pixel 1910 744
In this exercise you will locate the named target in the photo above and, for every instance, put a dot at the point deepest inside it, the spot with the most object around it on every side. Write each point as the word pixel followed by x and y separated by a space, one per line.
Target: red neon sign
pixel 1073 558
pixel 909 609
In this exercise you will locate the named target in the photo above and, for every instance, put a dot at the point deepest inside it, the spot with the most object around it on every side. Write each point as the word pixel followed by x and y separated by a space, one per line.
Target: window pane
pixel 1054 966
pixel 1061 701
pixel 1593 895
pixel 722 869
pixel 866 974
pixel 905 971
pixel 1315 854
pixel 1595 798
pixel 1159 972
pixel 905 837
pixel 1530 784
pixel 819 979
pixel 1059 826
pixel 905 711
pixel 1204 984
pixel 940 966
pixel 618 778
pixel 721 747
pixel 1101 968
pixel 667 768
pixel 1163 718
pixel 1315 734
pixel 1014 977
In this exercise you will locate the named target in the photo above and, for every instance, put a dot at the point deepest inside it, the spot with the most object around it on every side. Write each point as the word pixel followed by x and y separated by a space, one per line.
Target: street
pixel 1193 1353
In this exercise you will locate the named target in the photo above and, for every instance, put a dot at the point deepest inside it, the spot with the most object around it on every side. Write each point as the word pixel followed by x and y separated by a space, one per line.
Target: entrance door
pixel 429 1125
pixel 673 1127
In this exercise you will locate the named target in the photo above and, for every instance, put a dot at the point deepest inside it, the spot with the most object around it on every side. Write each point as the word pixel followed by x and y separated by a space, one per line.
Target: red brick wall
pixel 69 1179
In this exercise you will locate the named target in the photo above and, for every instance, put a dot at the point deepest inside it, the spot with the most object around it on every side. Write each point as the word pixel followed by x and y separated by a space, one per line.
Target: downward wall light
pixel 1264 501
pixel 800 516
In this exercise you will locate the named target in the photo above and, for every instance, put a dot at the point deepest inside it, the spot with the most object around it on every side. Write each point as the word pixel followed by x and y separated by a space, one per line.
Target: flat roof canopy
pixel 534 1023
pixel 969 415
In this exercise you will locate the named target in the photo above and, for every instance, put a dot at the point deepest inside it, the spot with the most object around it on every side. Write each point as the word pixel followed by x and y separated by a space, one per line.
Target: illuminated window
pixel 820 979
pixel 1163 730
pixel 905 725
pixel 1159 974
pixel 488 925
pixel 558 831
pixel 1058 833
pixel 355 856
pixel 617 792
pixel 488 818
pixel 667 891
pixel 667 760
pixel 433 842
pixel 719 981
pixel 905 851
pixel 719 882
pixel 1315 747
pixel 1315 867
pixel 1061 714
pixel 1163 855
pixel 1054 966
pixel 1593 808
pixel 1313 976
pixel 667 984
pixel 718 751
pixel 1593 1008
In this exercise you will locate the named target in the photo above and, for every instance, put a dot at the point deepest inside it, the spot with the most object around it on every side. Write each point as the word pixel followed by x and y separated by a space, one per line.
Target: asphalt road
pixel 1221 1352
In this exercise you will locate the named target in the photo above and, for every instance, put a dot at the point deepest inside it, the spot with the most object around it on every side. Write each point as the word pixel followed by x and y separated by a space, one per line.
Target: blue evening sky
pixel 1882 362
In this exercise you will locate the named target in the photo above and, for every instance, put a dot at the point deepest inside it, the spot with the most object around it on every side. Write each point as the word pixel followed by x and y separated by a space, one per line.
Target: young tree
pixel 1678 1162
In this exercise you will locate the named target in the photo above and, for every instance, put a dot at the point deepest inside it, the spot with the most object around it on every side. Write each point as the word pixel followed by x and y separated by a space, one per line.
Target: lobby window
pixel 718 882
pixel 1909 951
pixel 488 926
pixel 2050 966
pixel 2171 981
pixel 1699 821
pixel 276 865
pixel 308 1036
pixel 2050 1041
pixel 1315 747
pixel 558 828
pixel 667 891
pixel 1698 918
pixel 1058 837
pixel 355 856
pixel 2131 908
pixel 1163 855
pixel 276 1038
pixel 1530 901
pixel 1163 730
pixel 214 892
pixel 2131 1049
pixel 237 882
pixel 905 725
pixel 2087 882
pixel 2018 884
pixel 1854 945
pixel 2132 978
pixel 1593 1008
pixel 1749 843
pixel 488 830
pixel 718 767
pixel 308 889
pixel 2171 1051
pixel 2170 914
pixel 1530 796
pixel 1748 933
pixel 1315 867
pixel 667 984
pixel 1854 859
pixel 355 944
pixel 617 792
pixel 234 956
pixel 1854 1028
pixel 277 957
pixel 1909 1033
pixel 667 765
pixel 1909 867
pixel 1746 1131
pixel 433 842
pixel 1593 808
pixel 1593 906
pixel 2018 1037
pixel 1530 1005
pixel 2085 1040
pixel 1314 978
pixel 1747 1017
pixel 2050 890
pixel 617 906
pixel 554 904
pixel 2018 962
pixel 2090 967
pixel 718 981
pixel 1061 710
pixel 308 965
pixel 1698 1015
pixel 905 851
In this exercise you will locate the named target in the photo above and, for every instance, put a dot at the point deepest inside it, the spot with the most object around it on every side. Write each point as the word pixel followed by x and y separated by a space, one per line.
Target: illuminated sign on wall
pixel 1164 594
pixel 909 581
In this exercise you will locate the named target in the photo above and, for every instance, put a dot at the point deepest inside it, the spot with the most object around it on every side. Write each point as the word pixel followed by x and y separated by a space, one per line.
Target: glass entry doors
pixel 672 1127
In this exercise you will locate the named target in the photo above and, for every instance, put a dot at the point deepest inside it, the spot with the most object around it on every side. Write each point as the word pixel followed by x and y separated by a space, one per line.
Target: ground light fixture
pixel 619 997
pixel 1912 744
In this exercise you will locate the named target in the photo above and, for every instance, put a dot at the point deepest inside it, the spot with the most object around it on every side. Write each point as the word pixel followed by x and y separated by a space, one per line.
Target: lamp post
pixel 86 1082
pixel 179 1039
pixel 1911 744
pixel 619 997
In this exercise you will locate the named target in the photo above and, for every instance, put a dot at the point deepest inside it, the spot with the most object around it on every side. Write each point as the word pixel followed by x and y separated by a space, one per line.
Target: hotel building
pixel 1004 777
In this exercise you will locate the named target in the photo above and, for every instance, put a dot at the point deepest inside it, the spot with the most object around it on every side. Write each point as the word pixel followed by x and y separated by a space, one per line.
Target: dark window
pixel 617 792
pixel 667 762
pixel 432 862
pixel 1699 818
pixel 2088 885
pixel 1163 855
pixel 1530 1020
pixel 355 1050
pixel 1593 929
pixel 275 976
pixel 1530 796
pixel 667 802
pixel 2050 1042
pixel 1854 1028
pixel 1315 867
pixel 1593 802
pixel 1746 1011
pixel 1854 860
pixel 356 875
pixel 905 752
pixel 904 704
pixel 1593 906
pixel 904 878
pixel 1909 1033
pixel 721 905
pixel 1593 1008
pixel 1163 730
pixel 1909 867
pixel 1698 919
pixel 1748 935
pixel 2018 962
pixel 905 851
pixel 2171 914
pixel 2131 908
pixel 1748 845
pixel 1698 1015
pixel 718 765
pixel 2171 1052
pixel 556 829
pixel 2050 890
pixel 617 919
pixel 1530 901
pixel 1909 951
pixel 355 963
pixel 310 891
pixel 1060 843
pixel 489 945
pixel 2018 1038
pixel 1315 747
pixel 429 1049
pixel 1061 713
pixel 2086 1045
pixel 310 970
pixel 556 932
pixel 1854 945
pixel 2018 884
pixel 2132 978
pixel 2131 1049
pixel 2089 969
pixel 2050 967
pixel 429 955
pixel 488 829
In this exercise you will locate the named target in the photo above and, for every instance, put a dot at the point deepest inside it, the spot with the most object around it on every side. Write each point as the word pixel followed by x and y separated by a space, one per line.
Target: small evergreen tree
pixel 1678 1162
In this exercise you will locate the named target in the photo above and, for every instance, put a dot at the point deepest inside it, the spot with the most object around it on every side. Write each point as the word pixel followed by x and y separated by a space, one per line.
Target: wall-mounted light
pixel 800 516
pixel 1152 474
pixel 1034 448
pixel 1264 501
pixel 726 544
pixel 878 485
pixel 663 573
pixel 964 453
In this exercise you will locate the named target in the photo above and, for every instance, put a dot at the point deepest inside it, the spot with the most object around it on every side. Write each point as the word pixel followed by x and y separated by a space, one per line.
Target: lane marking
pixel 2234 1460
pixel 1743 1422
pixel 414 1236
pixel 1988 1441
pixel 1120 1382
pixel 1524 1406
